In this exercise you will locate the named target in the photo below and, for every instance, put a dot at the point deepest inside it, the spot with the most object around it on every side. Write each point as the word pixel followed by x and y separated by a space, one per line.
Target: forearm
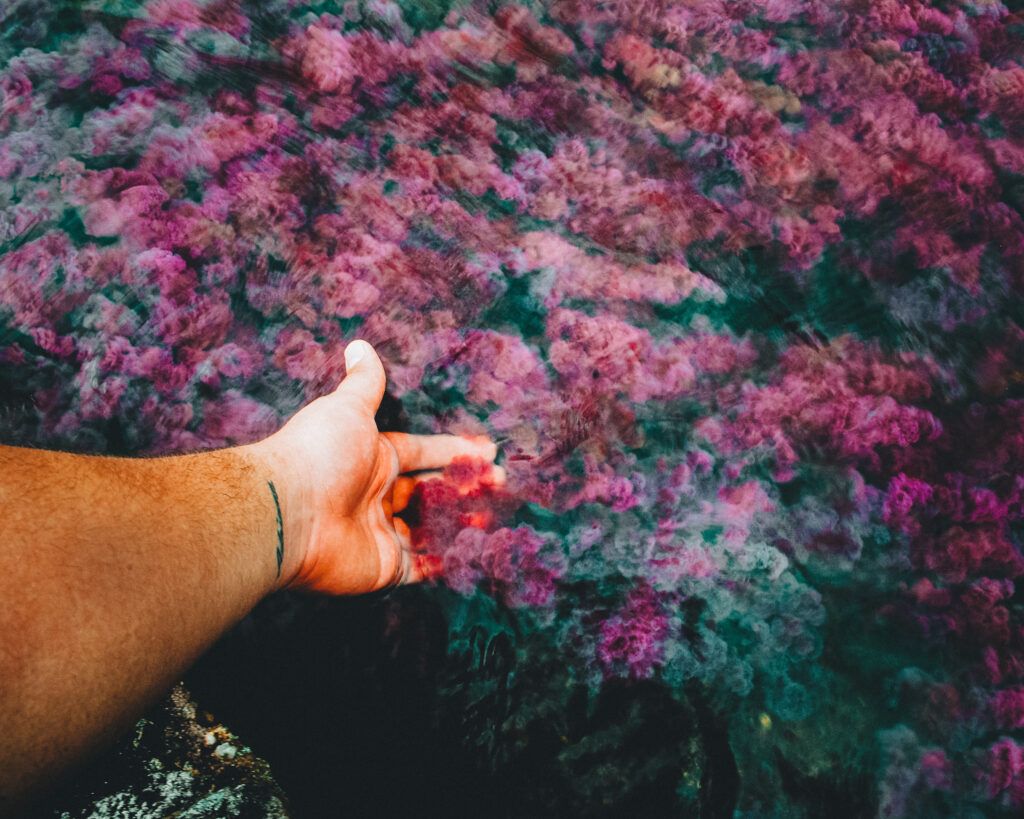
pixel 115 575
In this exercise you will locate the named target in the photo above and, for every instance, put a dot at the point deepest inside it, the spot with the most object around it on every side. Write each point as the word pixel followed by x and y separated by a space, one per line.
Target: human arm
pixel 117 573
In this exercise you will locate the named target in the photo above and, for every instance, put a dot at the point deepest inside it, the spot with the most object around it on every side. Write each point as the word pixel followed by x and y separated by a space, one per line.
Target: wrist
pixel 285 499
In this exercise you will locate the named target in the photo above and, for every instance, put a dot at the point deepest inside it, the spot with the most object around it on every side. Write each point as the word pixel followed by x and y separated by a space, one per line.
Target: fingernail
pixel 490 448
pixel 353 353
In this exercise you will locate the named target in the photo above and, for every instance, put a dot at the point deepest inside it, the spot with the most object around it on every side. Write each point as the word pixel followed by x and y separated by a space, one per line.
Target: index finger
pixel 437 451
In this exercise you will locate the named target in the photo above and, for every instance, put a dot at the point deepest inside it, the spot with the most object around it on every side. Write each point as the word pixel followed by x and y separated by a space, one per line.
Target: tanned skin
pixel 116 574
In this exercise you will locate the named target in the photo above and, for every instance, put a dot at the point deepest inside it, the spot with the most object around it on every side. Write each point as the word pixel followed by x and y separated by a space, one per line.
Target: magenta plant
pixel 736 285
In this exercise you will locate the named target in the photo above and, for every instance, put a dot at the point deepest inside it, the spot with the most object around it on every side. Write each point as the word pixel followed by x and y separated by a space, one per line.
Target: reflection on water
pixel 737 288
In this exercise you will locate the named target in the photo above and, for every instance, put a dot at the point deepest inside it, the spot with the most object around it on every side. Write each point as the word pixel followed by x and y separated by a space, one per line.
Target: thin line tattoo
pixel 280 528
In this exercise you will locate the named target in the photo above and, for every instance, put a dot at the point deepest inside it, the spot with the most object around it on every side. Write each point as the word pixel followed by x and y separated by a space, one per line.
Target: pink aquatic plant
pixel 735 286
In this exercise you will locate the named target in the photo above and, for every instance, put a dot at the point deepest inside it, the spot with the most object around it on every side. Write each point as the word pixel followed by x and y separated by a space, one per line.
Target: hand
pixel 343 481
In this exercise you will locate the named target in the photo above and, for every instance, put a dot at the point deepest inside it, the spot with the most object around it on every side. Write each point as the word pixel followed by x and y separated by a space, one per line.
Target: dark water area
pixel 408 728
pixel 738 288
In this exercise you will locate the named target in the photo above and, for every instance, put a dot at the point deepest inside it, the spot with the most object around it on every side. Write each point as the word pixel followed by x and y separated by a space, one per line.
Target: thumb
pixel 364 380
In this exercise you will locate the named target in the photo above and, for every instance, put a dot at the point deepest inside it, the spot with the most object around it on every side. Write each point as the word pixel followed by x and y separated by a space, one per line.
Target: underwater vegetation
pixel 737 286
